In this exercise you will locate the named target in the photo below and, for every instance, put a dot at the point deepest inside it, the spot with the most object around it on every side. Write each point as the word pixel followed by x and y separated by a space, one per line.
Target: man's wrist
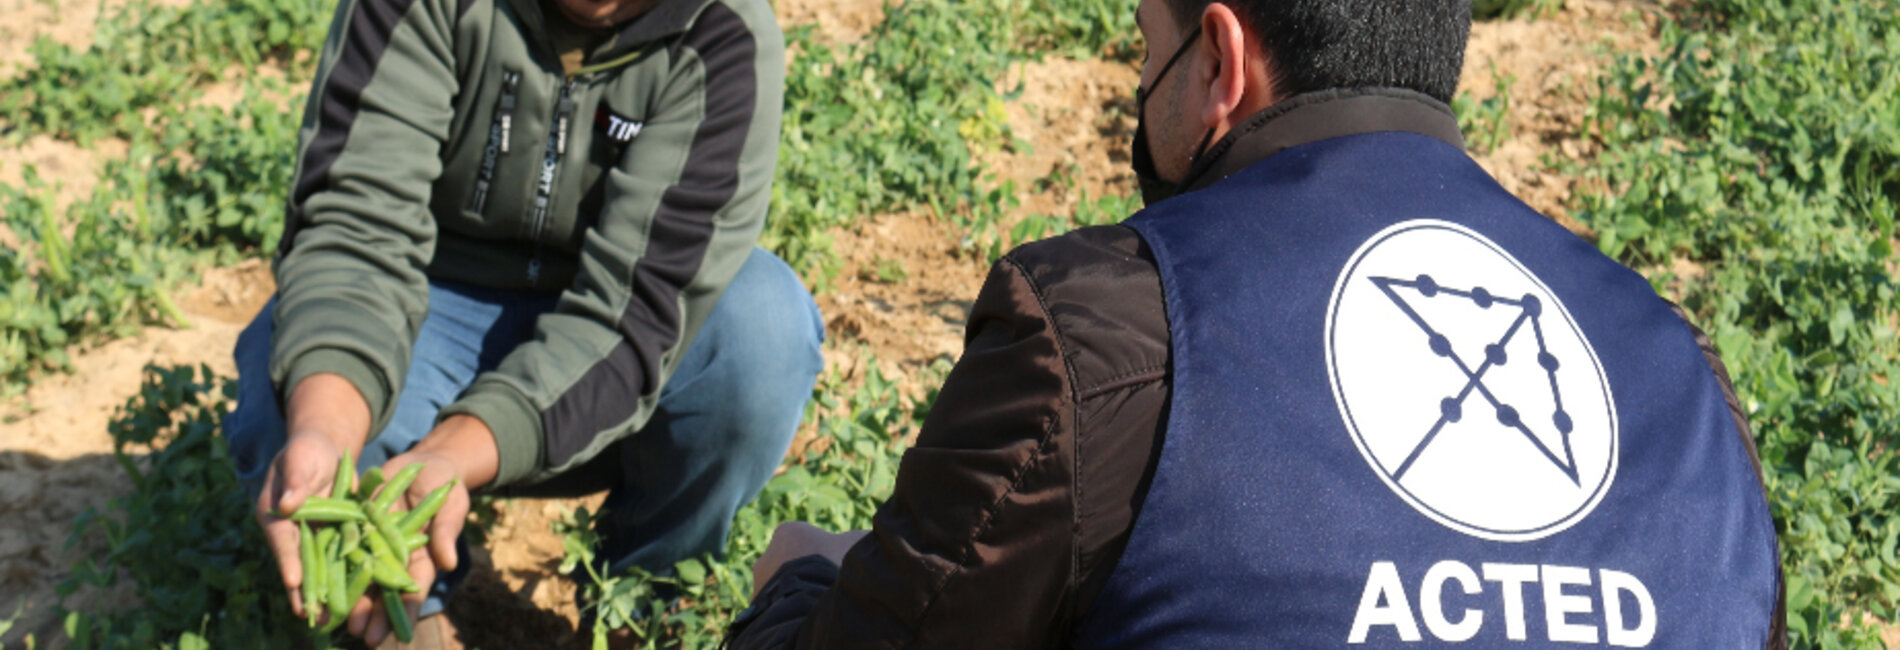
pixel 465 441
pixel 329 405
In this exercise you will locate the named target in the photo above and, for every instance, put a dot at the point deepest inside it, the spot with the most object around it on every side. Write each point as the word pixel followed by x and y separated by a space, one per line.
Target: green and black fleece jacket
pixel 443 139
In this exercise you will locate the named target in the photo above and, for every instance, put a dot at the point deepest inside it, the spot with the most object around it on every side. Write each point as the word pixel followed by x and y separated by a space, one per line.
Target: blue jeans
pixel 724 421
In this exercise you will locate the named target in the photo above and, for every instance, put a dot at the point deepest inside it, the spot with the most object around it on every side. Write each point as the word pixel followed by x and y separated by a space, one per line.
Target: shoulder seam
pixel 1075 417
pixel 1021 469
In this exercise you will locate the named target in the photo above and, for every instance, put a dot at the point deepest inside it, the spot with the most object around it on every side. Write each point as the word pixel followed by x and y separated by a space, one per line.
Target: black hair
pixel 1323 44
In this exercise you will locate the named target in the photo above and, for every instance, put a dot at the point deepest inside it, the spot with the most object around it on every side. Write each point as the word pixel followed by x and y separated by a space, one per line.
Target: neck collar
pixel 1310 117
pixel 629 40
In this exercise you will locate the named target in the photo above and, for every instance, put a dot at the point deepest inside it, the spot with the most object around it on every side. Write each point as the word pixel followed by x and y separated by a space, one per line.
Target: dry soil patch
pixel 833 21
pixel 1554 60
pixel 73 171
pixel 1078 118
pixel 70 23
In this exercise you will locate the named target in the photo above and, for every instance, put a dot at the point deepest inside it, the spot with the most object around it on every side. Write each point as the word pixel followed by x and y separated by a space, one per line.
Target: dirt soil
pixel 833 21
pixel 55 456
pixel 1550 64
pixel 1076 115
pixel 66 23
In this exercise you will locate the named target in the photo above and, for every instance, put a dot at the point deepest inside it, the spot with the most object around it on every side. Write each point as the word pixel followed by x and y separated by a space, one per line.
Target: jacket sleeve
pixel 974 547
pixel 684 209
pixel 351 289
pixel 1012 509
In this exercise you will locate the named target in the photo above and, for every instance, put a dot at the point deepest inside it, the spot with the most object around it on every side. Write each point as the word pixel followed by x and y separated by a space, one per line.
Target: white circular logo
pixel 1467 385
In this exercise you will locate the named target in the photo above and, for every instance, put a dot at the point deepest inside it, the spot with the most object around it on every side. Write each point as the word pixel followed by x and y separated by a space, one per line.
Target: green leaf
pixel 691 572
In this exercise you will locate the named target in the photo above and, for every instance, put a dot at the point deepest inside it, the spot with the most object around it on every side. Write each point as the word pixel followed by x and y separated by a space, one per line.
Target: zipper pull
pixel 510 82
pixel 564 116
pixel 498 136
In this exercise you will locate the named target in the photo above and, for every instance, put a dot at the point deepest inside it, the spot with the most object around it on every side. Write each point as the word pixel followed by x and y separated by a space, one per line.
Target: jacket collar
pixel 1311 117
pixel 667 19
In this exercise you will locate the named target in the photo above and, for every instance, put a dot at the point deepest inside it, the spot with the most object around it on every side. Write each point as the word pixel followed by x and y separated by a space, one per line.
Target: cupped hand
pixel 325 417
pixel 370 620
pixel 306 467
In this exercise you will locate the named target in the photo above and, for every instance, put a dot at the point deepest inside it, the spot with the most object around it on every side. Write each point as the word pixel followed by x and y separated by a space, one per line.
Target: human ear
pixel 1224 58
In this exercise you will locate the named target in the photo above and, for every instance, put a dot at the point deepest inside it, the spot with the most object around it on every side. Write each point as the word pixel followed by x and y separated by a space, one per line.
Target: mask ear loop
pixel 1202 148
pixel 1141 94
pixel 1153 188
pixel 1195 166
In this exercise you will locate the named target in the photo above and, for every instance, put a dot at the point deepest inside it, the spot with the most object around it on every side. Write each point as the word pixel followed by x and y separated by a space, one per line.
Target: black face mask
pixel 1154 189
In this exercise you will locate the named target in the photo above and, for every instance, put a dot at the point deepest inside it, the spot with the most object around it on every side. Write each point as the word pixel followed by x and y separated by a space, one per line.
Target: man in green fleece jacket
pixel 522 248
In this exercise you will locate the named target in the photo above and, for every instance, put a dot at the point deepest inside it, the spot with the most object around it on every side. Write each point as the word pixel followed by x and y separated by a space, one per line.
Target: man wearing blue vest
pixel 1333 387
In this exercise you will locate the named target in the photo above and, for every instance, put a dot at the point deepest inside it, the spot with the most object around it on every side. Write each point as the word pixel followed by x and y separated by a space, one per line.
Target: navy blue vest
pixel 1408 411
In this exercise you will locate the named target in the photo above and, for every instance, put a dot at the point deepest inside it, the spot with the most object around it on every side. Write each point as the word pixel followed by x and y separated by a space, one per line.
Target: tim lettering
pixel 1566 590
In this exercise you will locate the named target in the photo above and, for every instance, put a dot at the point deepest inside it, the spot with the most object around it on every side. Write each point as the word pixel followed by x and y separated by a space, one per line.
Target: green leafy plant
pixel 153 56
pixel 837 484
pixel 229 197
pixel 183 538
pixel 80 275
pixel 1505 9
pixel 1088 212
pixel 1761 150
pixel 6 624
pixel 889 124
pixel 879 126
pixel 1484 122
pixel 1082 29
pixel 887 271
pixel 199 184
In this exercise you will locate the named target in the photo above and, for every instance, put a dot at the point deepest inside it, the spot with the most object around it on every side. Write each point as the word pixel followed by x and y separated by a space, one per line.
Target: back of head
pixel 1324 44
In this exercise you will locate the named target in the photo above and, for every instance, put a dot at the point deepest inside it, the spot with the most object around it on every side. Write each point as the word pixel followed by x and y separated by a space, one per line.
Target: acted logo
pixel 1467 386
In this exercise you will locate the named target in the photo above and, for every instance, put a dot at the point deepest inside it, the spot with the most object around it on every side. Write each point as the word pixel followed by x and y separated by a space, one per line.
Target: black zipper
pixel 550 173
pixel 498 135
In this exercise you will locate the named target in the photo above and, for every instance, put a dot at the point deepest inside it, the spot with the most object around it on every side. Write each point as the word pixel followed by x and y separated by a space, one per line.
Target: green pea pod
pixel 307 552
pixel 338 582
pixel 352 538
pixel 360 579
pixel 398 617
pixel 367 485
pixel 357 586
pixel 379 548
pixel 326 538
pixel 392 578
pixel 419 517
pixel 345 470
pixel 319 579
pixel 385 526
pixel 386 569
pixel 415 540
pixel 335 622
pixel 394 488
pixel 327 510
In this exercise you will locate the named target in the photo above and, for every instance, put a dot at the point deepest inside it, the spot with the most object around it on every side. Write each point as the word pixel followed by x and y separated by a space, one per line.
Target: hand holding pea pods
pixel 460 453
pixel 361 539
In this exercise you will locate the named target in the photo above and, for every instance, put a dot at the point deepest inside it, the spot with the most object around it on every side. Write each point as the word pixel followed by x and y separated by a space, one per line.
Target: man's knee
pixel 768 319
